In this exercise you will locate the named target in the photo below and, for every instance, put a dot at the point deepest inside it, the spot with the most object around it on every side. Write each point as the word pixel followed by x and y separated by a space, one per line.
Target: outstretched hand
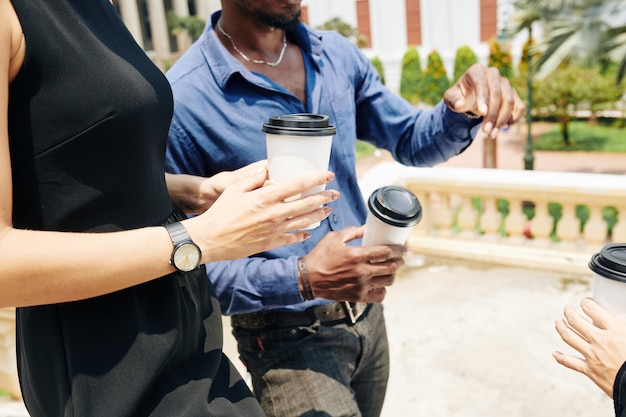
pixel 601 343
pixel 484 92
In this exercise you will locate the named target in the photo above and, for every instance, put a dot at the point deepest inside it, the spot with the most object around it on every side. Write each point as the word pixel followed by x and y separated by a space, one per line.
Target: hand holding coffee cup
pixel 298 144
pixel 393 213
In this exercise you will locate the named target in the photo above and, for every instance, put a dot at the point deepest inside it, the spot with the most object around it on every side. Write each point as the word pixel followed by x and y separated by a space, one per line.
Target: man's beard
pixel 280 22
pixel 277 21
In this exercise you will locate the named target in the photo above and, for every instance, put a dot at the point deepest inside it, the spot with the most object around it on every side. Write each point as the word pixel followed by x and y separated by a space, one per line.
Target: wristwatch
pixel 186 254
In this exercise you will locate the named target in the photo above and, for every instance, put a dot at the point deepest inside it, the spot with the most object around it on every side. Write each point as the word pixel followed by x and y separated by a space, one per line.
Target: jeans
pixel 327 370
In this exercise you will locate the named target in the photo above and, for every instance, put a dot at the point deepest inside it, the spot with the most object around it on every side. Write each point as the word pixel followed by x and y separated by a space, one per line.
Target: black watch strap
pixel 177 232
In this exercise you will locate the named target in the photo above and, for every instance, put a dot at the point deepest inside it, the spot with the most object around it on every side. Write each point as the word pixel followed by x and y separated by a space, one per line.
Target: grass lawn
pixel 364 149
pixel 584 137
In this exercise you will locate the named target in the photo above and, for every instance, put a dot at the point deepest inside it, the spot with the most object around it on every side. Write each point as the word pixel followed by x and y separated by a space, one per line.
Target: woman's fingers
pixel 301 184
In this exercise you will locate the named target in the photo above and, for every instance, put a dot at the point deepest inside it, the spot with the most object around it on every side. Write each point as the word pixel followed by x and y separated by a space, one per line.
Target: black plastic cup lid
pixel 610 262
pixel 300 124
pixel 396 206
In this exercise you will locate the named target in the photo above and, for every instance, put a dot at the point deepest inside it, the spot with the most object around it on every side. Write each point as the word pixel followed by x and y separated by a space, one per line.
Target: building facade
pixel 390 27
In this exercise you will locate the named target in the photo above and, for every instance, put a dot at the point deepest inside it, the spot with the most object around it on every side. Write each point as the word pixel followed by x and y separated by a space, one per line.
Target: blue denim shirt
pixel 219 111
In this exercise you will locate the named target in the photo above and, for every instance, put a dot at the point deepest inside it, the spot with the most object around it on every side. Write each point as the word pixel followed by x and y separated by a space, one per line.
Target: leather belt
pixel 350 312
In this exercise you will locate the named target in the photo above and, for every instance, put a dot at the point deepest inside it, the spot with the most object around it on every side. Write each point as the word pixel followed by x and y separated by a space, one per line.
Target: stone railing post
pixel 8 363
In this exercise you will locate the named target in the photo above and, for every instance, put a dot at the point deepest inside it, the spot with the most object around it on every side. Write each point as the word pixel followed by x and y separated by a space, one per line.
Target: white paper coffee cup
pixel 296 145
pixel 393 213
pixel 609 283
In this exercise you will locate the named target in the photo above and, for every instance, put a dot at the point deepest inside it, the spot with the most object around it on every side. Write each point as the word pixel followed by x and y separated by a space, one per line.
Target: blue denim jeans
pixel 327 370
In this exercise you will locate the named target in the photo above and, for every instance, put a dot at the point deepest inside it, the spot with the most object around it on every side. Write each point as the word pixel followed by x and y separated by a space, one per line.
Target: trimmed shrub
pixel 436 81
pixel 501 59
pixel 465 58
pixel 378 64
pixel 411 76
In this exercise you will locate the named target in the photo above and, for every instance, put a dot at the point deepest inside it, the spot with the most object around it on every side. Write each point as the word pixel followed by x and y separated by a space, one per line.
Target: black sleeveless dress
pixel 88 121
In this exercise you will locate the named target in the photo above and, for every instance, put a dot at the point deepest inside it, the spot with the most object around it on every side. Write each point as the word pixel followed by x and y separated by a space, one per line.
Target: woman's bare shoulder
pixel 12 43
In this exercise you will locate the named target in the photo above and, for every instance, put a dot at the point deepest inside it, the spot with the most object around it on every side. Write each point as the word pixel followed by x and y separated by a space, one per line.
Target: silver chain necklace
pixel 244 56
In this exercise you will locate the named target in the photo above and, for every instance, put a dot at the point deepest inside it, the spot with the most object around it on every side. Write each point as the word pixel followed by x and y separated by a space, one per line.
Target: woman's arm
pixel 194 194
pixel 39 267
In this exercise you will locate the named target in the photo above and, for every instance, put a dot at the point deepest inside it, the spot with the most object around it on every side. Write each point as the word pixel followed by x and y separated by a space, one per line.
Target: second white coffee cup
pixel 393 213
pixel 298 144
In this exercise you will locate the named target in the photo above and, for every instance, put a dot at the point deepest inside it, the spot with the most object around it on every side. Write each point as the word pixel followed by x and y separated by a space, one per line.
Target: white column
pixel 321 11
pixel 158 27
pixel 205 8
pixel 389 41
pixel 181 8
pixel 130 15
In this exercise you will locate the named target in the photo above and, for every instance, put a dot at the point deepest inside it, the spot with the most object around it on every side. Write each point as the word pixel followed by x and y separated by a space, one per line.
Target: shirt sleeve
pixel 619 392
pixel 415 137
pixel 254 284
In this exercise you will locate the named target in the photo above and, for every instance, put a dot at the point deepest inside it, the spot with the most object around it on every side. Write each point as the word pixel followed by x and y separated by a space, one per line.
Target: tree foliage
pixel 585 31
pixel 344 29
pixel 520 80
pixel 500 58
pixel 378 64
pixel 465 58
pixel 562 93
pixel 411 75
pixel 436 81
pixel 193 25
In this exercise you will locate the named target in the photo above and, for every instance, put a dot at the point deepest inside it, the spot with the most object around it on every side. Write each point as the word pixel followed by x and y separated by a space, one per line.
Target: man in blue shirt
pixel 308 352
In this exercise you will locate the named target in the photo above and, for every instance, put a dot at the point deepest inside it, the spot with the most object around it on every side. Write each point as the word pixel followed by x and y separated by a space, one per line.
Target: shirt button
pixel 335 218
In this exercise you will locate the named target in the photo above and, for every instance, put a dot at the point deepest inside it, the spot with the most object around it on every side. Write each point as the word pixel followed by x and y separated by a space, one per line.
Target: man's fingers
pixel 454 99
pixel 376 295
pixel 493 95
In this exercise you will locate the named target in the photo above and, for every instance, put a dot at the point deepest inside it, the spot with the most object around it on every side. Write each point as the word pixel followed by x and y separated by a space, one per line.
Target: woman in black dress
pixel 116 316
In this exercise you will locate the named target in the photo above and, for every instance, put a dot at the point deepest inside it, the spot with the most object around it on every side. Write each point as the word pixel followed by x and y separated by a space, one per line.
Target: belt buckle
pixel 353 311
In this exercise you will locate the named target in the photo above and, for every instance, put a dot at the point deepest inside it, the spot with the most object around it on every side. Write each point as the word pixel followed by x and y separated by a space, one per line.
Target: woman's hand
pixel 601 343
pixel 251 215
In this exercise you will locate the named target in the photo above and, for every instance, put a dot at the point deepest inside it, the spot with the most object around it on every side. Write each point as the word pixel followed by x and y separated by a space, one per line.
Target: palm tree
pixel 577 30
pixel 573 30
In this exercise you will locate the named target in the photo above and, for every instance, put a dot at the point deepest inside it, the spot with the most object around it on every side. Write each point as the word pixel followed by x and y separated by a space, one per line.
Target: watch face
pixel 187 257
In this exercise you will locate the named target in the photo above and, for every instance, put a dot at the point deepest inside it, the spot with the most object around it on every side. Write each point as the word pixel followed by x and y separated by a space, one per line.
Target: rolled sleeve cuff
pixel 285 291
pixel 458 125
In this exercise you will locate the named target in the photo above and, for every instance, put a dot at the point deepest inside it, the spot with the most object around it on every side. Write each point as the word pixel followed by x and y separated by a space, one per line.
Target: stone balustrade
pixel 463 219
pixel 8 365
pixel 483 214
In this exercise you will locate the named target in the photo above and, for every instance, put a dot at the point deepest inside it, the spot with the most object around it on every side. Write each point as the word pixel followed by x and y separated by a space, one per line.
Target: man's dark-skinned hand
pixel 482 91
pixel 352 273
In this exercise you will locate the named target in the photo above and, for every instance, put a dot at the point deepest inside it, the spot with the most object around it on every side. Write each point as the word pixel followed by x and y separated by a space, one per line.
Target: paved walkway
pixel 471 340
pixel 510 150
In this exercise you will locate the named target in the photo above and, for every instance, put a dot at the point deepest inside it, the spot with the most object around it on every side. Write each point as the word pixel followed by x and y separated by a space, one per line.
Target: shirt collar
pixel 224 66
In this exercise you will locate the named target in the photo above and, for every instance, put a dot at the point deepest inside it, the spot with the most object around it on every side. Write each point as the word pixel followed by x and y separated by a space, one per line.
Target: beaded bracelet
pixel 307 290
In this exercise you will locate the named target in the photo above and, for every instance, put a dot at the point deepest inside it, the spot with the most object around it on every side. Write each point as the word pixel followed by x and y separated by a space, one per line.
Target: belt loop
pixel 349 312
